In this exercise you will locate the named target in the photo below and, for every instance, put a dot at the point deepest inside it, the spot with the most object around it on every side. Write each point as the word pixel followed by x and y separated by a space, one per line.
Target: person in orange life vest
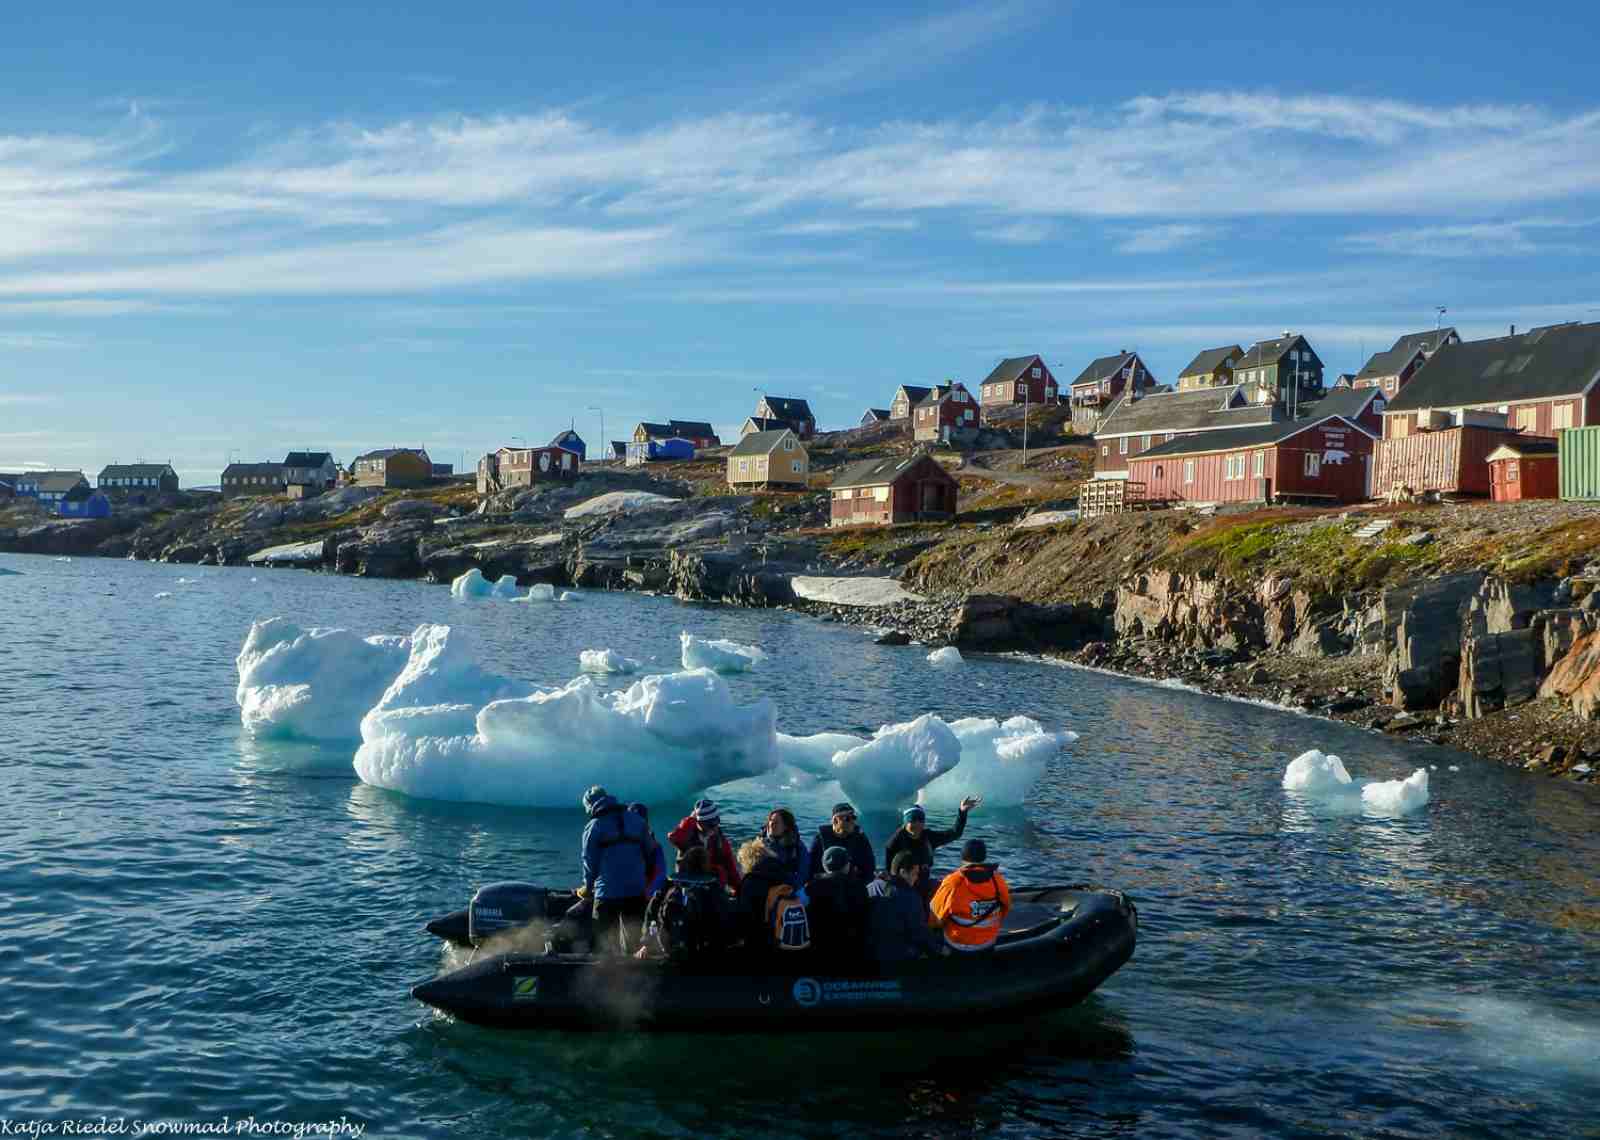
pixel 971 904
pixel 702 827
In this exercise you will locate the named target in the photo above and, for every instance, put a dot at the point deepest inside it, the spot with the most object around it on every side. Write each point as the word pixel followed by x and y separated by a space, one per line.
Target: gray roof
pixel 695 428
pixel 53 482
pixel 136 470
pixel 936 395
pixel 761 442
pixel 876 413
pixel 1198 409
pixel 391 452
pixel 307 458
pixel 253 469
pixel 562 437
pixel 764 424
pixel 1556 360
pixel 914 392
pixel 789 407
pixel 1389 362
pixel 1010 368
pixel 1428 341
pixel 1258 436
pixel 1103 368
pixel 876 472
pixel 1264 352
pixel 1208 360
pixel 1346 402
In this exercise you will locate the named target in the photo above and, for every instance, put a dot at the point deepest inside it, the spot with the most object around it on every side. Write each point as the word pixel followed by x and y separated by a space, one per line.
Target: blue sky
pixel 352 226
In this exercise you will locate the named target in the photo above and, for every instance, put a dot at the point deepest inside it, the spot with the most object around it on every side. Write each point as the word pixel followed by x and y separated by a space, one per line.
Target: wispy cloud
pixel 832 226
pixel 1472 239
pixel 1019 233
pixel 1165 239
pixel 29 341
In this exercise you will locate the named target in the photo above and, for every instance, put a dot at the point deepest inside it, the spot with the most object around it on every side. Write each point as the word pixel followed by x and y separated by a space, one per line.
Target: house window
pixel 1313 464
pixel 1188 471
pixel 1144 444
pixel 1511 471
pixel 744 466
pixel 881 494
pixel 1036 373
pixel 1235 467
pixel 1260 463
pixel 1105 449
pixel 788 443
pixel 794 466
pixel 1122 446
pixel 1528 417
pixel 1560 418
pixel 1158 471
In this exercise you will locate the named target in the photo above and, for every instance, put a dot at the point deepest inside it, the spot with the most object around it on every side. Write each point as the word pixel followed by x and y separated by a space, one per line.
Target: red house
pixel 907 488
pixel 947 414
pixel 1018 380
pixel 1524 469
pixel 1326 460
pixel 1100 384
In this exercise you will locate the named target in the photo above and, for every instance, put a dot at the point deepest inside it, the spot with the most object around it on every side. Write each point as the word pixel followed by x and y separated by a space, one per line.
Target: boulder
pixel 412 509
pixel 1499 670
pixel 1423 626
pixel 1576 677
pixel 892 637
pixel 381 552
pixel 1319 639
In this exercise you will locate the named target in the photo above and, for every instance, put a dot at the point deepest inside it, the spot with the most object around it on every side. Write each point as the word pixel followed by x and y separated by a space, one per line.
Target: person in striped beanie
pixel 702 827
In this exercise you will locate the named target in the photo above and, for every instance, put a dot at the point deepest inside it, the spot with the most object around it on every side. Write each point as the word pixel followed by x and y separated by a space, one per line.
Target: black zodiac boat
pixel 1059 945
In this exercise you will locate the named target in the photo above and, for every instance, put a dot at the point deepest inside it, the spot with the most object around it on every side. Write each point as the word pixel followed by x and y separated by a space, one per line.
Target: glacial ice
pixel 814 754
pixel 722 655
pixel 888 770
pixel 571 596
pixel 472 584
pixel 1000 761
pixel 538 592
pixel 945 658
pixel 665 737
pixel 164 594
pixel 1324 778
pixel 505 586
pixel 606 661
pixel 313 683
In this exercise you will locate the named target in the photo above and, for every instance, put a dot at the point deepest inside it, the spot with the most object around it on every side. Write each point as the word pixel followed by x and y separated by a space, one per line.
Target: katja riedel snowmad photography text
pixel 917 570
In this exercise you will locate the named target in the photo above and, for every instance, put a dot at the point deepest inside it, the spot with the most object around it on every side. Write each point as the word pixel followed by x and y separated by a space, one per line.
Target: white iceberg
pixel 164 594
pixel 666 737
pixel 606 661
pixel 440 671
pixel 721 655
pixel 505 586
pixel 888 770
pixel 1396 797
pixel 571 596
pixel 314 684
pixel 1317 773
pixel 945 658
pixel 538 592
pixel 615 501
pixel 814 754
pixel 1323 777
pixel 472 584
pixel 1000 761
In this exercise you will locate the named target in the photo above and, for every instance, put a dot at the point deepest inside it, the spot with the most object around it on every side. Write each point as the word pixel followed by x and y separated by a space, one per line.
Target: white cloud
pixel 1019 233
pixel 1469 239
pixel 1164 239
pixel 27 341
pixel 830 227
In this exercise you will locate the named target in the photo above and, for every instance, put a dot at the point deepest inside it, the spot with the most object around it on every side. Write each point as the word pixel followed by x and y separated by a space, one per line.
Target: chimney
pixel 1513 331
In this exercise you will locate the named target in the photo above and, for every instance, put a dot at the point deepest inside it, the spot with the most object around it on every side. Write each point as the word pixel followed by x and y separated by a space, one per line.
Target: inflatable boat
pixel 1059 945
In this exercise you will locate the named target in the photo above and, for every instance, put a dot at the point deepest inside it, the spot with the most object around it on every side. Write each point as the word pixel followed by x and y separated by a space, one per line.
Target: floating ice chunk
pixel 1000 761
pixel 505 587
pixel 888 770
pixel 721 655
pixel 538 592
pixel 441 671
pixel 814 754
pixel 1396 797
pixel 945 658
pixel 315 683
pixel 472 584
pixel 665 737
pixel 1316 772
pixel 164 594
pixel 180 581
pixel 606 661
pixel 571 596
pixel 1455 767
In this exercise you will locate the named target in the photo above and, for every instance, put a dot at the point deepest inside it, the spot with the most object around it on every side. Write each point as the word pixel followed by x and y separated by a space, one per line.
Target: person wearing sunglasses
pixel 842 830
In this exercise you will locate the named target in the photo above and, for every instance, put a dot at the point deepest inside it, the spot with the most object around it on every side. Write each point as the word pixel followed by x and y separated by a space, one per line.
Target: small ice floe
pixel 718 654
pixel 164 594
pixel 1323 777
pixel 1455 767
pixel 606 661
pixel 538 592
pixel 945 658
pixel 571 596
pixel 472 584
pixel 187 582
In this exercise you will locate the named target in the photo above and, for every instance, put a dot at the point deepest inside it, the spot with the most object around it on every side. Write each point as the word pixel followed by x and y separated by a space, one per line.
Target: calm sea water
pixel 193 925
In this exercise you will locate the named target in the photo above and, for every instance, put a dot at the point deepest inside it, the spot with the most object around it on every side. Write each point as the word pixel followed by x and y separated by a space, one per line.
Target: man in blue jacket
pixel 842 830
pixel 615 862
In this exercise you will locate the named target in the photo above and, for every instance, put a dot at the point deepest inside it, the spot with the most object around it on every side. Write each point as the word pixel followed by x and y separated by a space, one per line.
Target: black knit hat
pixel 842 809
pixel 835 859
pixel 903 861
pixel 974 851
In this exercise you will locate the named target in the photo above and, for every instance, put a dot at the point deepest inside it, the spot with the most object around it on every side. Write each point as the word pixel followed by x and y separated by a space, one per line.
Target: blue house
pixel 572 441
pixel 82 503
pixel 658 451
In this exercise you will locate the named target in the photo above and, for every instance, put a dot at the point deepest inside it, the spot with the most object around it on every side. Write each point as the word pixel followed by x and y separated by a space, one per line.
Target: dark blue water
pixel 194 925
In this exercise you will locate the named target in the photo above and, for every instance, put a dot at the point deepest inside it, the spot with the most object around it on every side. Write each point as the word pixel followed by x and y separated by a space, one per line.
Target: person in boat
pixel 971 904
pixel 836 903
pixel 690 916
pixel 782 837
pixel 897 921
pixel 842 830
pixel 921 841
pixel 614 857
pixel 702 827
pixel 655 871
pixel 773 912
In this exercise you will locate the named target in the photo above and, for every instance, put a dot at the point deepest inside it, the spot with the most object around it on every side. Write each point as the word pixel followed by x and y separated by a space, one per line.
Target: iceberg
pixel 313 684
pixel 723 656
pixel 814 754
pixel 1396 797
pixel 505 586
pixel 472 584
pixel 1317 773
pixel 1324 778
pixel 606 661
pixel 571 596
pixel 888 770
pixel 1000 761
pixel 538 592
pixel 945 658
pixel 439 671
pixel 667 736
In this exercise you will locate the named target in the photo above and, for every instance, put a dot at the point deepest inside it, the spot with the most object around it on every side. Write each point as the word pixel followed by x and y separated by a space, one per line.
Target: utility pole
pixel 1027 391
pixel 1438 321
pixel 605 444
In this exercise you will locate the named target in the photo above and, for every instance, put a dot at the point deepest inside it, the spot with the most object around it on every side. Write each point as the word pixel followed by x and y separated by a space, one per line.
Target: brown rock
pixel 1576 677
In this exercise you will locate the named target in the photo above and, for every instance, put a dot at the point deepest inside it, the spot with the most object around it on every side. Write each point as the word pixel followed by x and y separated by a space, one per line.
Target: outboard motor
pixel 504 906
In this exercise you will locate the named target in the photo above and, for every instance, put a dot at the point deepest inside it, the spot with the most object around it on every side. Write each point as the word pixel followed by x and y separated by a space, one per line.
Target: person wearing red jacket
pixel 702 827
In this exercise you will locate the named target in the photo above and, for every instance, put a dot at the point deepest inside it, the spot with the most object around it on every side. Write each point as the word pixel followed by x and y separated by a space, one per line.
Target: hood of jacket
pixel 605 805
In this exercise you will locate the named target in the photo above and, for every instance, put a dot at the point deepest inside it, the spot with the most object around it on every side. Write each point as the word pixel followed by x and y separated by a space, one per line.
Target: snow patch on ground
pixel 1323 777
pixel 1047 518
pixel 289 554
pixel 606 661
pixel 312 684
pixel 616 501
pixel 946 658
pixel 851 591
pixel 719 654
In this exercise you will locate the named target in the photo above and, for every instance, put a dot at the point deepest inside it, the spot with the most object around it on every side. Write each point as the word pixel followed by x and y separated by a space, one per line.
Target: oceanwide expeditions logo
pixel 218 1126
pixel 808 992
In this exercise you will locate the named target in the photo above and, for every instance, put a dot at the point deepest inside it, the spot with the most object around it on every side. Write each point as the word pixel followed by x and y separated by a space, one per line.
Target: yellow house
pixel 392 467
pixel 769 459
pixel 1211 368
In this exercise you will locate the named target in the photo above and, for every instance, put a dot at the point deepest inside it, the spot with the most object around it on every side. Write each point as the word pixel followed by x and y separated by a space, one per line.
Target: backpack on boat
pixel 689 918
pixel 787 918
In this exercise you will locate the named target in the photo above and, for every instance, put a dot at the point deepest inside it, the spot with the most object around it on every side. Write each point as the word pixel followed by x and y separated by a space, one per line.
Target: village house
pixel 760 423
pixel 1211 368
pixel 1133 426
pixel 697 432
pixel 1102 383
pixel 1429 341
pixel 774 458
pixel 1540 381
pixel 510 467
pixel 948 414
pixel 82 503
pixel 392 467
pixel 50 487
pixel 900 489
pixel 906 397
pixel 1326 460
pixel 787 411
pixel 1389 370
pixel 1285 369
pixel 1363 406
pixel 570 440
pixel 313 471
pixel 252 479
pixel 137 481
pixel 1018 380
pixel 874 416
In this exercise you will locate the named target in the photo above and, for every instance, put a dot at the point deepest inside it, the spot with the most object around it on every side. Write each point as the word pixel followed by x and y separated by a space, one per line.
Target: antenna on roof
pixel 1438 321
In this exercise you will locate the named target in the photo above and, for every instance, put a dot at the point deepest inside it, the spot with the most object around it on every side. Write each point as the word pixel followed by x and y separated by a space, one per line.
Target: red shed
pixel 1325 459
pixel 1452 461
pixel 1524 469
pixel 911 488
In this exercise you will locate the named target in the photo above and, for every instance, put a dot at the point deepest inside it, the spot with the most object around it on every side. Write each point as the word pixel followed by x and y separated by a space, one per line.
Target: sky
pixel 225 234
